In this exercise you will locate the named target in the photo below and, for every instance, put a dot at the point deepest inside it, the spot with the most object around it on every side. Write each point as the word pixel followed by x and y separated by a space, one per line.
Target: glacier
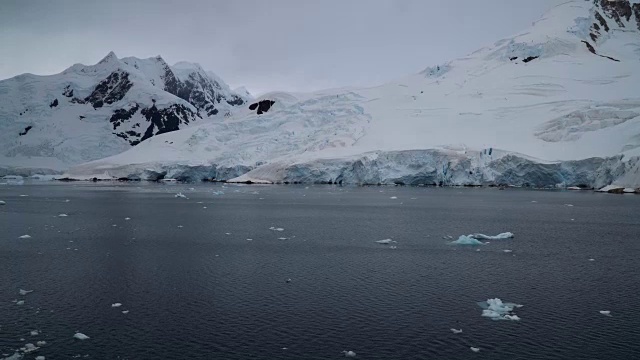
pixel 556 105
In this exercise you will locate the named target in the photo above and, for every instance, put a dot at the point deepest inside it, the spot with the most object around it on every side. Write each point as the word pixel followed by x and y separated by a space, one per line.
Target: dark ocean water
pixel 196 288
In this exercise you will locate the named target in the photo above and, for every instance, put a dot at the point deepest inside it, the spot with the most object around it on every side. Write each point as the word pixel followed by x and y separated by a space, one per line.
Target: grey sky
pixel 293 45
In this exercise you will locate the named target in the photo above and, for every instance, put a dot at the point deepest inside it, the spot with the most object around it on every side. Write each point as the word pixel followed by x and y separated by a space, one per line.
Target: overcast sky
pixel 293 45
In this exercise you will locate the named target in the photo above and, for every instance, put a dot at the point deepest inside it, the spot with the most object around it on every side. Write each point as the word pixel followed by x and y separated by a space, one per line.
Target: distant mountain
pixel 566 90
pixel 90 112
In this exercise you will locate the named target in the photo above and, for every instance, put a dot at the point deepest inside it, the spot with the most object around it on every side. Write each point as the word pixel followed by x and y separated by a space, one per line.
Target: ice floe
pixel 16 356
pixel 497 310
pixel 2 202
pixel 41 343
pixel 605 312
pixel 25 237
pixel 466 240
pixel 27 348
pixel 276 229
pixel 24 292
pixel 283 238
pixel 507 250
pixel 21 302
pixel 474 349
pixel 501 236
pixel 80 336
pixel 456 331
pixel 40 357
pixel 385 241
pixel 181 195
pixel 115 305
pixel 125 311
pixel 349 353
pixel 127 219
pixel 63 215
pixel 393 197
pixel 34 333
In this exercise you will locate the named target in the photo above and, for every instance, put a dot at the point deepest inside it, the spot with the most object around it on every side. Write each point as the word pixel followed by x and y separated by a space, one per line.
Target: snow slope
pixel 566 90
pixel 91 112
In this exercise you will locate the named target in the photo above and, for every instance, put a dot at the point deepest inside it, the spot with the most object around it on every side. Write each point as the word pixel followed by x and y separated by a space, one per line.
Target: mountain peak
pixel 111 56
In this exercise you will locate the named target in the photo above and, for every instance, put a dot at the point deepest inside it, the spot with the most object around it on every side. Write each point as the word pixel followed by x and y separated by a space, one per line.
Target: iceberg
pixel 495 309
pixel 349 353
pixel 504 235
pixel 386 241
pixel 80 336
pixel 2 202
pixel 456 331
pixel 116 305
pixel 466 240
pixel 24 292
pixel 25 237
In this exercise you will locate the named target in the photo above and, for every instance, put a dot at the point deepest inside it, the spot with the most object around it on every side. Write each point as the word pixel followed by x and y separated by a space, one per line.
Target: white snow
pixel 505 235
pixel 497 310
pixel 466 240
pixel 80 336
pixel 385 241
pixel 25 237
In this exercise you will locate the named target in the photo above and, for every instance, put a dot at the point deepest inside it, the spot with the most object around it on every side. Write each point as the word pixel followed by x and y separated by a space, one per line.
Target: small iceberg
pixel 497 310
pixel 29 348
pixel 40 357
pixel 181 195
pixel 25 237
pixel 63 215
pixel 386 241
pixel 605 312
pixel 41 343
pixel 24 292
pixel 466 240
pixel 456 331
pixel 474 349
pixel 127 219
pixel 2 202
pixel 125 311
pixel 34 333
pixel 80 336
pixel 349 353
pixel 283 238
pixel 276 229
pixel 501 236
pixel 393 197
pixel 115 305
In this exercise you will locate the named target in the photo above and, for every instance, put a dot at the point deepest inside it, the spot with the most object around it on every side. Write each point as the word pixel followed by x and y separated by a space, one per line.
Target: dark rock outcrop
pixel 26 130
pixel 529 58
pixel 110 90
pixel 54 103
pixel 68 91
pixel 165 120
pixel 262 106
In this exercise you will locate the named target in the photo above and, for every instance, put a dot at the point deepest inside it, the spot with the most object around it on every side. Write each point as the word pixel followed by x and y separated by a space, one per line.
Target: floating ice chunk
pixel 180 195
pixel 67 200
pixel 25 237
pixel 24 292
pixel 180 226
pixel 40 357
pixel 349 353
pixel 21 302
pixel 29 348
pixel 393 197
pixel 288 280
pixel 127 219
pixel 497 310
pixel 574 188
pixel 466 240
pixel 115 305
pixel 227 233
pixel 16 356
pixel 393 247
pixel 204 207
pixel 125 311
pixel 474 349
pixel 2 202
pixel 456 331
pixel 249 239
pixel 276 229
pixel 63 215
pixel 80 336
pixel 24 195
pixel 501 236
pixel 507 250
pixel 34 332
pixel 570 205
pixel 592 259
pixel 282 238
pixel 41 343
pixel 605 312
pixel 385 241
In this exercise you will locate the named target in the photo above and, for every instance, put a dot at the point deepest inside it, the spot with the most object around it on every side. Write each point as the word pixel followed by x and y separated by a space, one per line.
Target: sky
pixel 264 45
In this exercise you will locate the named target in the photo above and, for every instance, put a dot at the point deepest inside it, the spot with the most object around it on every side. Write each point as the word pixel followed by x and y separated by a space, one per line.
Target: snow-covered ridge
pixel 560 98
pixel 90 112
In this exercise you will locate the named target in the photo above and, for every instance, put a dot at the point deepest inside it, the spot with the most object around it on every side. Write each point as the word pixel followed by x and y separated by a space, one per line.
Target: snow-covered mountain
pixel 566 90
pixel 91 112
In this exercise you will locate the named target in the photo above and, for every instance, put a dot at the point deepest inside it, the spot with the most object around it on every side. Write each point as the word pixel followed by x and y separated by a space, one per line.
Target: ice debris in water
pixel 2 202
pixel 497 310
pixel 40 357
pixel 180 195
pixel 592 259
pixel 125 311
pixel 276 229
pixel 385 241
pixel 568 205
pixel 80 336
pixel 24 292
pixel 63 215
pixel 34 332
pixel 15 356
pixel 466 240
pixel 282 238
pixel 127 218
pixel 474 349
pixel 41 343
pixel 116 305
pixel 605 312
pixel 29 348
pixel 25 237
pixel 393 197
pixel 21 302
pixel 504 235
pixel 507 250
pixel 349 353
pixel 456 331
